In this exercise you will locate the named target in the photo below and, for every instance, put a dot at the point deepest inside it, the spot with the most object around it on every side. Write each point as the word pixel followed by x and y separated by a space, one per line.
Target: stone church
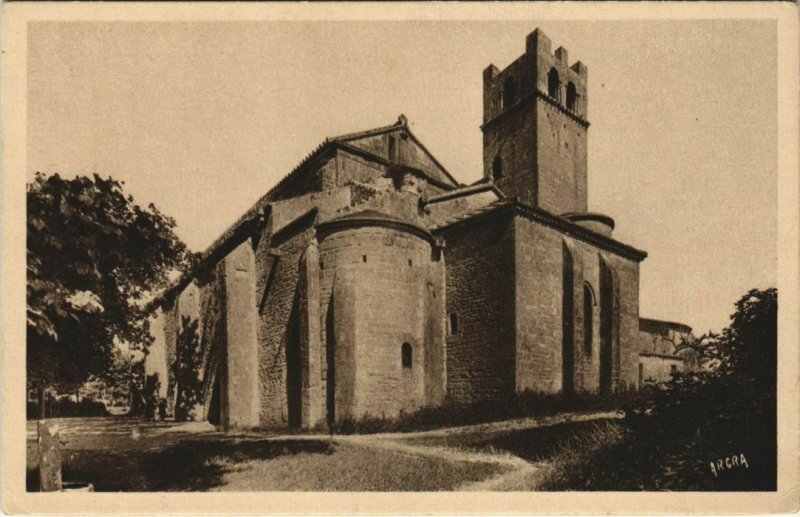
pixel 368 281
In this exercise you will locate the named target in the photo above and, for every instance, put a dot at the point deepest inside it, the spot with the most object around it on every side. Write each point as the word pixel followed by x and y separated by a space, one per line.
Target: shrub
pixel 676 429
pixel 186 369
pixel 67 408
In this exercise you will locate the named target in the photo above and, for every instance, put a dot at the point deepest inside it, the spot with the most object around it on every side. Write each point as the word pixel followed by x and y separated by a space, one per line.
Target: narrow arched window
pixel 453 324
pixel 509 92
pixel 588 318
pixel 497 168
pixel 553 84
pixel 405 352
pixel 572 97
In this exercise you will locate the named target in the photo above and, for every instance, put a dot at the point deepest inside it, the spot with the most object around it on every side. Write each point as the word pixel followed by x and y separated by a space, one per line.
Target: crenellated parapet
pixel 538 72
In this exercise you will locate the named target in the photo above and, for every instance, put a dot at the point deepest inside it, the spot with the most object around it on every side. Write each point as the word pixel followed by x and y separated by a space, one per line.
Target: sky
pixel 201 119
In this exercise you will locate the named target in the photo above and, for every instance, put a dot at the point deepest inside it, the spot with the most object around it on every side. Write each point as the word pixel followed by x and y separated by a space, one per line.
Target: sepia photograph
pixel 341 254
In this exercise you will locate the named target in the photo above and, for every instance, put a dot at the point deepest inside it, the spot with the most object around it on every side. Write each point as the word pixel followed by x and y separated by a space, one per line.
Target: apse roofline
pixel 546 218
pixel 665 323
pixel 371 219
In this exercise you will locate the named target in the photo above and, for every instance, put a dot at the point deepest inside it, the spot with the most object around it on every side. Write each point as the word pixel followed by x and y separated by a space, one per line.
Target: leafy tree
pixel 186 369
pixel 727 407
pixel 94 258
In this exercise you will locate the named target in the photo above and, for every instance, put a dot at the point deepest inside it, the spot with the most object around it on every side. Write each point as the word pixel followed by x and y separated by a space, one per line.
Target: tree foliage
pixel 94 258
pixel 725 408
pixel 186 369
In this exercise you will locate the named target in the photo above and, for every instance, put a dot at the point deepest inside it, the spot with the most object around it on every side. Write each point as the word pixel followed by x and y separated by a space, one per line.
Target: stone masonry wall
pixel 539 252
pixel 211 326
pixel 312 406
pixel 539 255
pixel 242 390
pixel 655 368
pixel 561 160
pixel 277 274
pixel 381 286
pixel 480 295
pixel 351 167
pixel 513 140
pixel 628 273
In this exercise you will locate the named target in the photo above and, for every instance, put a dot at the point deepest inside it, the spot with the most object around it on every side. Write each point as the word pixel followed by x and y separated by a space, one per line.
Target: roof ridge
pixel 472 213
pixel 466 189
pixel 401 122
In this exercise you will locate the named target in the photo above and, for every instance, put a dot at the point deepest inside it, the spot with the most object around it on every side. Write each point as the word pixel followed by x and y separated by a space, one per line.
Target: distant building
pixel 664 349
pixel 369 281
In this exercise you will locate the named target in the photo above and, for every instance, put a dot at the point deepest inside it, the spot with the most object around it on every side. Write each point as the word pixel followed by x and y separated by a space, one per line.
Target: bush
pixel 186 370
pixel 67 408
pixel 675 432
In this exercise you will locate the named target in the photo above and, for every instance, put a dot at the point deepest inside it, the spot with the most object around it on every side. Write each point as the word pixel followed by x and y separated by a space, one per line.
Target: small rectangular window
pixel 364 258
pixel 673 369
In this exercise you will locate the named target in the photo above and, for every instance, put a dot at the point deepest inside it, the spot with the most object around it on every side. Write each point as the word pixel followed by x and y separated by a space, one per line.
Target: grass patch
pixel 570 464
pixel 107 454
pixel 356 468
pixel 453 413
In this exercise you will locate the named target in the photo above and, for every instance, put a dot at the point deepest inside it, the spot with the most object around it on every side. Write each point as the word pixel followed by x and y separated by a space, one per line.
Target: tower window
pixel 405 352
pixel 554 84
pixel 588 318
pixel 572 97
pixel 497 168
pixel 673 369
pixel 453 324
pixel 363 258
pixel 509 92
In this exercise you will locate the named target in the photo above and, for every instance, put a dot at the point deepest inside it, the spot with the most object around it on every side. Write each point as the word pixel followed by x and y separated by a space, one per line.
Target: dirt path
pixel 434 452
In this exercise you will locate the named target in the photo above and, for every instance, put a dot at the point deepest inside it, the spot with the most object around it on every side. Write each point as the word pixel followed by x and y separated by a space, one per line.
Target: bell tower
pixel 535 128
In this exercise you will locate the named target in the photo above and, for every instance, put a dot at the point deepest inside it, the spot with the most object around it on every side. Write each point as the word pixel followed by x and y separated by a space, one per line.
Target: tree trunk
pixel 42 414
